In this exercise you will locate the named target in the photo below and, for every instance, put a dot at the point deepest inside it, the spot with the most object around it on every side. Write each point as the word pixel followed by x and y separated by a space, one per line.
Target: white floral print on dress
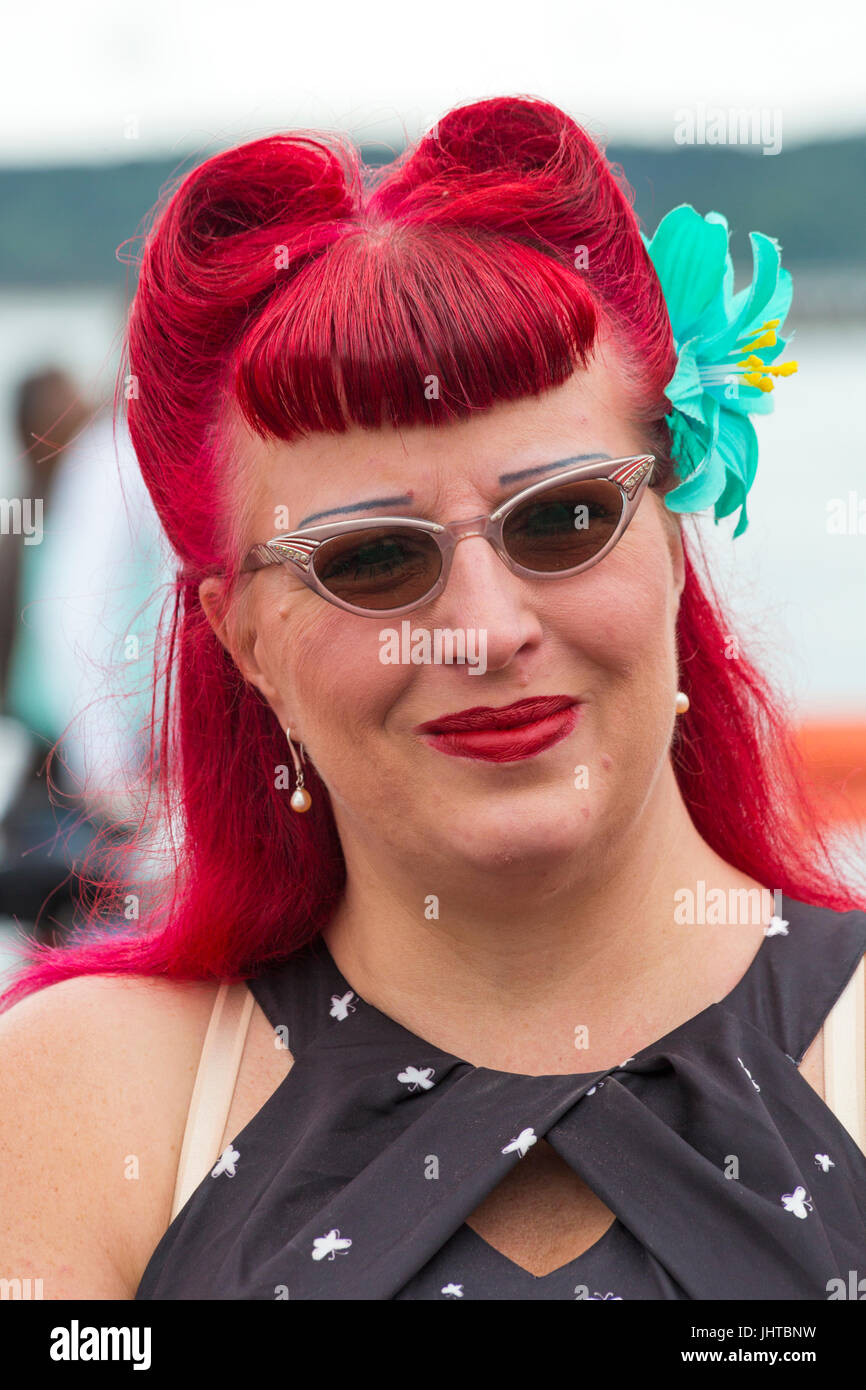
pixel 797 1202
pixel 227 1160
pixel 417 1078
pixel 341 1007
pixel 523 1143
pixel 326 1247
pixel 776 927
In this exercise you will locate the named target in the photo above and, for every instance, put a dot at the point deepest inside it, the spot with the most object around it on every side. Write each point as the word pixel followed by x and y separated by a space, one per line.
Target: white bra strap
pixel 845 1056
pixel 214 1087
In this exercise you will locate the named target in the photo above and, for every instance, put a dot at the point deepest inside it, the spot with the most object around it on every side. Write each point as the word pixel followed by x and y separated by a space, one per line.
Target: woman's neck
pixel 546 967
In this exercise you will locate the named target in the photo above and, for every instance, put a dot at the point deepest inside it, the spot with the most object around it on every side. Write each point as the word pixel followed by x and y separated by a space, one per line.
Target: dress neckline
pixel 610 1236
pixel 342 987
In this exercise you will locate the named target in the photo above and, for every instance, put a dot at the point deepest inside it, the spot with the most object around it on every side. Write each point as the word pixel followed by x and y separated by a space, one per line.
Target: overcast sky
pixel 93 80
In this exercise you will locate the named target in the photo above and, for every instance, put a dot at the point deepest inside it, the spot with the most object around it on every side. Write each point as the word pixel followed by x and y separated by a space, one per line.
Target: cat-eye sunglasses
pixel 388 565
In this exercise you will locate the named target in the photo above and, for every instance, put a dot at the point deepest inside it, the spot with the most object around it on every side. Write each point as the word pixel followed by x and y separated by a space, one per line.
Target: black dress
pixel 729 1177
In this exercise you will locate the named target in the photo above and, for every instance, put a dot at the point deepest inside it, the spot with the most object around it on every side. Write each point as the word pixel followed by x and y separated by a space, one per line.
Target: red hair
pixel 285 284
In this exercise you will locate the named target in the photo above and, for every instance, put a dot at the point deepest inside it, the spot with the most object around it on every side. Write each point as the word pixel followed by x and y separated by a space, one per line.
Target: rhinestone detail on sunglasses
pixel 302 549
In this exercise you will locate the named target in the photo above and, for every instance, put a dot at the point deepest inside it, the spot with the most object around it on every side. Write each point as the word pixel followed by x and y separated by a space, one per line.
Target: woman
pixel 482 1039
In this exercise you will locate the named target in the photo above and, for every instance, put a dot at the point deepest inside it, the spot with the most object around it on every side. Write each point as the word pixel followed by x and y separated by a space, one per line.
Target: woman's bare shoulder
pixel 96 1075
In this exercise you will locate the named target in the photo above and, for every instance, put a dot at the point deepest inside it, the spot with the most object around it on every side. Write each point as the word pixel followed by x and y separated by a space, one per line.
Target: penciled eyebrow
pixel 376 502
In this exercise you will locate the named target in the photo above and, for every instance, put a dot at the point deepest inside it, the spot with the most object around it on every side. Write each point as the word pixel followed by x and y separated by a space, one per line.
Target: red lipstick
pixel 506 735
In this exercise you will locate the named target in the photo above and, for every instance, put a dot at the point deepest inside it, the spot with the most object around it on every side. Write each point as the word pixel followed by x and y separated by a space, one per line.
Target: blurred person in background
pixel 77 635
pixel 48 414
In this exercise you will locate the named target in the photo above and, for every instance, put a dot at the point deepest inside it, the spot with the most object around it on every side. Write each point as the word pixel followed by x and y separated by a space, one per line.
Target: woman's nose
pixel 484 594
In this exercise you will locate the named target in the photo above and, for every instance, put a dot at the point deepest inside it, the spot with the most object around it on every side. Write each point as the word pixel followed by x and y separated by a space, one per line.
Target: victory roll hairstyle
pixel 286 286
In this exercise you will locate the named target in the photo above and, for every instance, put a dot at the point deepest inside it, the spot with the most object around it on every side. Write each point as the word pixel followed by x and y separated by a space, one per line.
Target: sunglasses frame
pixel 631 475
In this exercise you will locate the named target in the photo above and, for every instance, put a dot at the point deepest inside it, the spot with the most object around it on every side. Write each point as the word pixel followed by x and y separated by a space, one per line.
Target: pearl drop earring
pixel 301 799
pixel 682 702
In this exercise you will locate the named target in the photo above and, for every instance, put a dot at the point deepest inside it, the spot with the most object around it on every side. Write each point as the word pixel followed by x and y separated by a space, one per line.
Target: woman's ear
pixel 212 597
pixel 236 633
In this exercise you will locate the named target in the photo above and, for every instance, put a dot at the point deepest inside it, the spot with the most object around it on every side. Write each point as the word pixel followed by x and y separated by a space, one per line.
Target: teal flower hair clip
pixel 725 344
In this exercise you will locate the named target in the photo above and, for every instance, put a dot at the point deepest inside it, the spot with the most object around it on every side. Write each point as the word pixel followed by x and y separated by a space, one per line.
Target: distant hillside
pixel 63 226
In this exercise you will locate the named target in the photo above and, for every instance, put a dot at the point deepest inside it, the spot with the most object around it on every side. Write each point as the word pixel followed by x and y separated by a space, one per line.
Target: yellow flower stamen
pixel 764 383
pixel 761 375
pixel 752 369
pixel 758 373
pixel 768 339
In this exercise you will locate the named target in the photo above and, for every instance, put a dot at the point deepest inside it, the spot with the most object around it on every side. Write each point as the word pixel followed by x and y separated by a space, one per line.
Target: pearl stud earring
pixel 301 799
pixel 682 702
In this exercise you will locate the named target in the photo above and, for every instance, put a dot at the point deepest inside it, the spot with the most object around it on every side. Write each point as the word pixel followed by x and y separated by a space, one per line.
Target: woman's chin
pixel 540 836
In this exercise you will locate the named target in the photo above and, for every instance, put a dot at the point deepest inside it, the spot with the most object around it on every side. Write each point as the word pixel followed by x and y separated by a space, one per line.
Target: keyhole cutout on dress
pixel 542 1215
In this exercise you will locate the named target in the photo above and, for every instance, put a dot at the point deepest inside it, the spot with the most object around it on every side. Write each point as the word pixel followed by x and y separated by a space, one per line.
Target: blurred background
pixel 761 118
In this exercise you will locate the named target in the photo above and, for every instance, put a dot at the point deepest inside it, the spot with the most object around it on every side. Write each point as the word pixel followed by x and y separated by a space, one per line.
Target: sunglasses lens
pixel 380 568
pixel 563 526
